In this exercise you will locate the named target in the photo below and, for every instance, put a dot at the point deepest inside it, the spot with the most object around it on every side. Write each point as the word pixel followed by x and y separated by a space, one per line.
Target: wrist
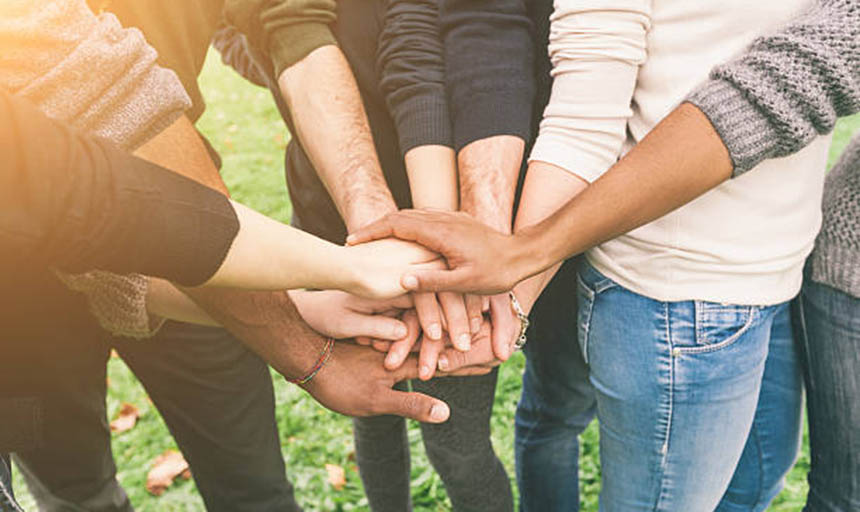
pixel 526 257
pixel 498 218
pixel 358 216
pixel 351 270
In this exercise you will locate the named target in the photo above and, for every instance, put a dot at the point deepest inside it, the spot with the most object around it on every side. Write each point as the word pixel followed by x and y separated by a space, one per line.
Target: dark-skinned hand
pixel 480 259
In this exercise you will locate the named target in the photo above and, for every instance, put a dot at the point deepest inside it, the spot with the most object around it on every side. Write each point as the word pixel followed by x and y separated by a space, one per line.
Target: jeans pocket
pixel 719 325
pixel 587 294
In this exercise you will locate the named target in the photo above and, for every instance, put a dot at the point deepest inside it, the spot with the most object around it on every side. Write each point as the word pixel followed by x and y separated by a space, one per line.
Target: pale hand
pixel 378 266
pixel 339 315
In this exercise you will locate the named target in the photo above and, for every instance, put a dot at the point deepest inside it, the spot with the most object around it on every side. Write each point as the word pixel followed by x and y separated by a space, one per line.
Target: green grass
pixel 243 124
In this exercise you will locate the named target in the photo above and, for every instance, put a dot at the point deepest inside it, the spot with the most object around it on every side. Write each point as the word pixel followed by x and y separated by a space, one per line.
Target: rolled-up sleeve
pixel 286 30
pixel 596 49
pixel 490 73
pixel 411 65
pixel 788 87
pixel 85 204
pixel 87 70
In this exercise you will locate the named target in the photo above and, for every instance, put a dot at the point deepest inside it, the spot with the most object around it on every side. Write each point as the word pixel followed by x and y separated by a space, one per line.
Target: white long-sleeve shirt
pixel 619 67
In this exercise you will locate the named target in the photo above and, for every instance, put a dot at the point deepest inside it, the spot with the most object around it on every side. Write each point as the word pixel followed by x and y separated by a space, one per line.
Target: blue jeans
pixel 557 401
pixel 830 339
pixel 681 387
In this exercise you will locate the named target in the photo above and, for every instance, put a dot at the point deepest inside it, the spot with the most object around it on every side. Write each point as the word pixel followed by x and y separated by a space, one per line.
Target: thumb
pixel 373 231
pixel 416 406
pixel 437 281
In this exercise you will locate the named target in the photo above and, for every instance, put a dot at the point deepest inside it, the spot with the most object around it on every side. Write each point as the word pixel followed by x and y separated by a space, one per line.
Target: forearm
pixel 432 172
pixel 165 300
pixel 681 159
pixel 267 323
pixel 333 128
pixel 546 189
pixel 488 170
pixel 268 255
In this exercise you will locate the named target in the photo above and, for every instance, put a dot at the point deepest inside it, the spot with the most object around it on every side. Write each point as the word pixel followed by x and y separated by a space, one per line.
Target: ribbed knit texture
pixel 788 87
pixel 411 67
pixel 286 30
pixel 117 302
pixel 490 69
pixel 836 258
pixel 87 70
pixel 102 79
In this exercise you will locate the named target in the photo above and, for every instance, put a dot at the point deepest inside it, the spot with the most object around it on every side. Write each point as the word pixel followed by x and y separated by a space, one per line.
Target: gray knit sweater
pixel 102 79
pixel 786 89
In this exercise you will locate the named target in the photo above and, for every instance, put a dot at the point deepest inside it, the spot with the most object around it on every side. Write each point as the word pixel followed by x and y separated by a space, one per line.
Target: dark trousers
pixel 216 398
pixel 830 346
pixel 557 401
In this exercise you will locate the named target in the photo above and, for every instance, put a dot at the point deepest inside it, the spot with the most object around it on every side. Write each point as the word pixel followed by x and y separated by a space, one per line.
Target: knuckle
pixel 411 404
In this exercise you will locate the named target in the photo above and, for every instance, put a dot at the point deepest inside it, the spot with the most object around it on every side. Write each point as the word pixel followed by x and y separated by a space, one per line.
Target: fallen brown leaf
pixel 336 476
pixel 165 469
pixel 126 419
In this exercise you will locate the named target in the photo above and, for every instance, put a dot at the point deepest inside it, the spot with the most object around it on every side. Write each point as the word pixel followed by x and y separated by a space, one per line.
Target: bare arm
pixel 329 116
pixel 353 381
pixel 680 159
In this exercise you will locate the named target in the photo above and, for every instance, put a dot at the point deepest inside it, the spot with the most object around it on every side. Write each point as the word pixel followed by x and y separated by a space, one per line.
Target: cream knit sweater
pixel 620 66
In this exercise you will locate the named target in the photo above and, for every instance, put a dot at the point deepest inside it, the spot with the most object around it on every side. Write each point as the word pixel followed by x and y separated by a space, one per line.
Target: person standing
pixel 398 60
pixel 830 343
pixel 682 158
pixel 72 465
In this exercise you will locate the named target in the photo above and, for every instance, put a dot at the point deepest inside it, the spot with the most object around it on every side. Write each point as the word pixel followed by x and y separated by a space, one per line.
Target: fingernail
pixel 443 363
pixel 391 359
pixel 464 342
pixel 410 282
pixel 476 325
pixel 350 239
pixel 439 412
pixel 434 331
pixel 400 332
pixel 424 371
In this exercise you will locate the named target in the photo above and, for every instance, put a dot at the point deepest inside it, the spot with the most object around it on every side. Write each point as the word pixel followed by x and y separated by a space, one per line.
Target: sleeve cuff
pixel 187 229
pixel 422 121
pixel 292 43
pixel 493 113
pixel 744 129
pixel 560 154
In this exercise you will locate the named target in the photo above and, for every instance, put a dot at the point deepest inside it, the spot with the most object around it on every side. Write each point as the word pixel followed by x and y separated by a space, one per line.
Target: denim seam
pixel 758 449
pixel 725 343
pixel 671 391
pixel 800 315
pixel 587 310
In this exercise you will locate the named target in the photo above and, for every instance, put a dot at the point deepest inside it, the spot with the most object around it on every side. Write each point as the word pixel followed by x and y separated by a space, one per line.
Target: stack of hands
pixel 443 332
pixel 422 310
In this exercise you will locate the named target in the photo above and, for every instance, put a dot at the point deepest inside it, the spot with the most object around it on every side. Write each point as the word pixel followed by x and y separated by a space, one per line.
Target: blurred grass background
pixel 242 123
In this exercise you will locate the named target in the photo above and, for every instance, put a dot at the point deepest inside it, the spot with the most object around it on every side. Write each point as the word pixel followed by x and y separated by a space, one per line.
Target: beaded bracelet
pixel 325 355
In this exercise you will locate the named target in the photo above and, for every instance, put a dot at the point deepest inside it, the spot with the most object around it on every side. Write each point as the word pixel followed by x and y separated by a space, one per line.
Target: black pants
pixel 217 400
pixel 215 395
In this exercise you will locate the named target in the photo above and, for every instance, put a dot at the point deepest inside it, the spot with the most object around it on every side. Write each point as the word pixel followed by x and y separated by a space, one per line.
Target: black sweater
pixel 85 204
pixel 496 82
